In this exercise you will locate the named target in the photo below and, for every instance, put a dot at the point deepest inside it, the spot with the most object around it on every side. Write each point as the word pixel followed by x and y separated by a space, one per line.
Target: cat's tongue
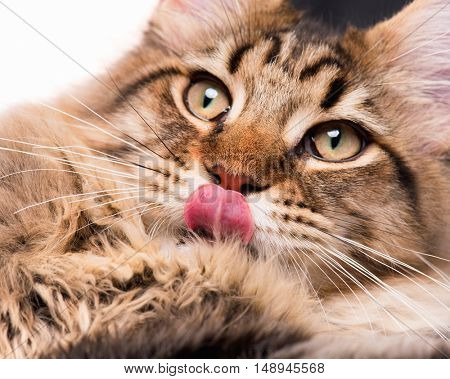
pixel 219 212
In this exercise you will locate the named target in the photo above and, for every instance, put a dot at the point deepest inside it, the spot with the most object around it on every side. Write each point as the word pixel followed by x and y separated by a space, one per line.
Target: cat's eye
pixel 207 99
pixel 335 141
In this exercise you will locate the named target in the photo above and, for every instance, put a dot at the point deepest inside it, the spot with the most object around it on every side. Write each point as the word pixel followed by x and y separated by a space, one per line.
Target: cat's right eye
pixel 207 99
pixel 335 141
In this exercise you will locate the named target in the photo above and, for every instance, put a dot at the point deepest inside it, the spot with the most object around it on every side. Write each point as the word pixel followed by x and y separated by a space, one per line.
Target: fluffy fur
pixel 348 259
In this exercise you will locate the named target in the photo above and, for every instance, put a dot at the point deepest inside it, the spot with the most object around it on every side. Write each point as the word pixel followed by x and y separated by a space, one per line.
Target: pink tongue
pixel 219 212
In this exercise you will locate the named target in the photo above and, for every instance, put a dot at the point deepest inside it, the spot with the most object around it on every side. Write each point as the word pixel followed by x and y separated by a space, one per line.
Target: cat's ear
pixel 189 23
pixel 190 5
pixel 413 54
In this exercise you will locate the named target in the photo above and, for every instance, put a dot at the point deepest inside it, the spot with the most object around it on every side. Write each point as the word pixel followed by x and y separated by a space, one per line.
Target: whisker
pixel 306 276
pixel 332 281
pixel 417 253
pixel 122 162
pixel 432 256
pixel 176 158
pixel 443 275
pixel 403 82
pixel 95 222
pixel 111 202
pixel 436 53
pixel 68 171
pixel 373 227
pixel 392 259
pixel 106 193
pixel 70 163
pixel 357 225
pixel 65 197
pixel 420 46
pixel 399 272
pixel 333 265
pixel 354 280
pixel 147 208
pixel 96 127
pixel 376 280
pixel 384 286
pixel 155 228
pixel 113 157
pixel 115 127
pixel 384 241
pixel 57 148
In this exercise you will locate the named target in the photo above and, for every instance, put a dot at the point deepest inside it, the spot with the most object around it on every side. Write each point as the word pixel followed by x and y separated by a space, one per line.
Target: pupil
pixel 210 95
pixel 335 137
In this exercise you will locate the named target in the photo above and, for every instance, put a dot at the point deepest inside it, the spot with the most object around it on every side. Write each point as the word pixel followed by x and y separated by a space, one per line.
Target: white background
pixel 93 32
pixel 112 369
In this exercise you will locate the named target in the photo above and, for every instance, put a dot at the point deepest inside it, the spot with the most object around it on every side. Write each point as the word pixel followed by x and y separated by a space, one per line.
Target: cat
pixel 245 183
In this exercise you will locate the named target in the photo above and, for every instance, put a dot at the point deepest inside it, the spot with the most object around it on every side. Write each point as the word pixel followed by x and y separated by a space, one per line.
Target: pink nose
pixel 219 212
pixel 228 181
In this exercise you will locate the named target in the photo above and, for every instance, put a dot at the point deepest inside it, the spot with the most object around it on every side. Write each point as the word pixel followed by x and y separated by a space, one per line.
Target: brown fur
pixel 90 276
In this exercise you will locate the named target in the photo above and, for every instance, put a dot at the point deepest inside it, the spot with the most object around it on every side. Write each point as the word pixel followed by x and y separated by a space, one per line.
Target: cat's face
pixel 330 156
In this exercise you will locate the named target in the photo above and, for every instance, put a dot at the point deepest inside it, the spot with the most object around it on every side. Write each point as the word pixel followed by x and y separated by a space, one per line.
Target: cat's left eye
pixel 335 141
pixel 207 99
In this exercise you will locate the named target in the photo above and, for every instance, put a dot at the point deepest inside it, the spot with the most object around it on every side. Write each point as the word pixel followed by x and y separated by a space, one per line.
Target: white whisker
pixel 394 269
pixel 418 47
pixel 347 285
pixel 113 157
pixel 354 280
pixel 65 197
pixel 66 171
pixel 308 279
pixel 106 193
pixel 111 202
pixel 96 127
pixel 376 280
pixel 147 208
pixel 85 155
pixel 97 221
pixel 70 163
pixel 390 258
pixel 436 53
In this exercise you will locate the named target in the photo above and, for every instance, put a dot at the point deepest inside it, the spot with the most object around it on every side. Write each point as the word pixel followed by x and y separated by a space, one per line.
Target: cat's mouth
pixel 215 213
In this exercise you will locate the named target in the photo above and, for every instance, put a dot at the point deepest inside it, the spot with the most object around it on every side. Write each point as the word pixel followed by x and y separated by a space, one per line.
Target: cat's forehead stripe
pixel 335 91
pixel 275 50
pixel 234 61
pixel 236 58
pixel 404 174
pixel 313 69
pixel 146 80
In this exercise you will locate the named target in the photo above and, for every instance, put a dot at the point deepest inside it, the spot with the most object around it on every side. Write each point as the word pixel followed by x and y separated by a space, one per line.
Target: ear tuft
pixel 182 5
pixel 191 24
pixel 188 24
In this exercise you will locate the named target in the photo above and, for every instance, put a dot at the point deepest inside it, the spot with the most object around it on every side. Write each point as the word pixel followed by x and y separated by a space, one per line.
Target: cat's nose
pixel 238 183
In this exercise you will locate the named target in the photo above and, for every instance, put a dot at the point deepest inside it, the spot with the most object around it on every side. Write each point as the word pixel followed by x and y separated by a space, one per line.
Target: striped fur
pixel 97 261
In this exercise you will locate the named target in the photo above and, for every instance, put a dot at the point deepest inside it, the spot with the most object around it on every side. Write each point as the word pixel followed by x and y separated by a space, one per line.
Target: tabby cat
pixel 245 183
